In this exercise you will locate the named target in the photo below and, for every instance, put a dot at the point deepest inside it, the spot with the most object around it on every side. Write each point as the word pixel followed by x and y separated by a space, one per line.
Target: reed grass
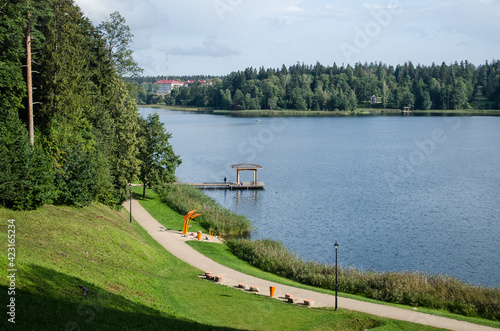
pixel 415 289
pixel 182 198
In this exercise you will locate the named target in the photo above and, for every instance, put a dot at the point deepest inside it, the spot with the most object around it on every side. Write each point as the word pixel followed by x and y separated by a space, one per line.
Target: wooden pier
pixel 238 185
pixel 230 186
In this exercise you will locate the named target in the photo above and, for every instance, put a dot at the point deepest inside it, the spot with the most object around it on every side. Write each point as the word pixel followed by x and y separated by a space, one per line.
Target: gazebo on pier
pixel 246 166
pixel 238 184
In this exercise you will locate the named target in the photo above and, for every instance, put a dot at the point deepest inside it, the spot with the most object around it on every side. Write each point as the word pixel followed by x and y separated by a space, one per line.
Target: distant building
pixel 187 83
pixel 166 86
pixel 191 82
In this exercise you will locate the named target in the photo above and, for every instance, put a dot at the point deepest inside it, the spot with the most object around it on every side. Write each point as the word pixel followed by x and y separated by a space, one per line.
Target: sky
pixel 216 37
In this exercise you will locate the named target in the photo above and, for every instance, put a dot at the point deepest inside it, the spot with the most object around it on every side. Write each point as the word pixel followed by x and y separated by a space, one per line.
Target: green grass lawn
pixel 136 284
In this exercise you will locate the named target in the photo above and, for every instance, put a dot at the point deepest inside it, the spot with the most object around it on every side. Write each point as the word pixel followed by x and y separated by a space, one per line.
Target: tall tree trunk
pixel 28 78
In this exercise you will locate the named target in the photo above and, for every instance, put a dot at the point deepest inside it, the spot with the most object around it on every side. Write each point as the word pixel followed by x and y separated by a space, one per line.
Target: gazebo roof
pixel 246 166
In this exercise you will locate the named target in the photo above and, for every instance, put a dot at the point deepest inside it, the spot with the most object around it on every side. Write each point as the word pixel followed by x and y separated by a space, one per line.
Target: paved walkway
pixel 174 242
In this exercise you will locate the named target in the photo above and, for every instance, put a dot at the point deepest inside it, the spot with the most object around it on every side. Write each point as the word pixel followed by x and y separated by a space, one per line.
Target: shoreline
pixel 357 112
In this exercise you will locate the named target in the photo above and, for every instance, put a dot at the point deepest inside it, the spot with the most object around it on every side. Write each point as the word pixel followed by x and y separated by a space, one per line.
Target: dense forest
pixel 89 141
pixel 318 87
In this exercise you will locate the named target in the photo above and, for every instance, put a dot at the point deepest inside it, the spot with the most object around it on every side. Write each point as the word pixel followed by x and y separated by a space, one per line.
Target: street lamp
pixel 130 185
pixel 336 245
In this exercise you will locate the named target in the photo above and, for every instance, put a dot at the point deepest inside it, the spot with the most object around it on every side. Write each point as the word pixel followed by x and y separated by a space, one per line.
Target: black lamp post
pixel 336 245
pixel 130 185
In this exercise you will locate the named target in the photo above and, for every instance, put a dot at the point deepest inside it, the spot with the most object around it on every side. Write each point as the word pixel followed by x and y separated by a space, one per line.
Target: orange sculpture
pixel 187 220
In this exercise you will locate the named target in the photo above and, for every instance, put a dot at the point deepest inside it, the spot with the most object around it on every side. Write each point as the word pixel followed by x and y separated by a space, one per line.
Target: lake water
pixel 397 193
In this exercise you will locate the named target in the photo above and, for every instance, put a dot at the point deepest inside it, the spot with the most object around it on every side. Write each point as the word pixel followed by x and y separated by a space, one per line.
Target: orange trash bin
pixel 272 289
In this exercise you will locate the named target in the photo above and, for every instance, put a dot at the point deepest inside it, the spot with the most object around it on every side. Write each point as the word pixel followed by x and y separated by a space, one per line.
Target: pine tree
pixel 125 115
pixel 76 181
pixel 458 96
pixel 26 177
pixel 239 100
pixel 64 85
pixel 12 85
pixel 226 101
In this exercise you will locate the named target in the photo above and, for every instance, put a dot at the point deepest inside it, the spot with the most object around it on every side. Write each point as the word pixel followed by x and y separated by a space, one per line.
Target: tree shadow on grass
pixel 150 195
pixel 50 300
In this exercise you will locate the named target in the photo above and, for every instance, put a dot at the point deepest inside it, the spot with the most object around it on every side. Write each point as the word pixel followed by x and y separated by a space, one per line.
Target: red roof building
pixel 166 86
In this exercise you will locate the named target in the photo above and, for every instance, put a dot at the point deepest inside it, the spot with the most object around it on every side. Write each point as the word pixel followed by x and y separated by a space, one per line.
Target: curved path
pixel 174 242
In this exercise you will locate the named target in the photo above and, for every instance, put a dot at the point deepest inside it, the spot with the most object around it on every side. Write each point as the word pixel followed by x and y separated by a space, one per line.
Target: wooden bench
pixel 254 289
pixel 209 275
pixel 309 303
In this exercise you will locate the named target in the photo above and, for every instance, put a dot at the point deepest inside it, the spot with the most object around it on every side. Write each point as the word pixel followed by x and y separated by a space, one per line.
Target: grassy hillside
pixel 136 284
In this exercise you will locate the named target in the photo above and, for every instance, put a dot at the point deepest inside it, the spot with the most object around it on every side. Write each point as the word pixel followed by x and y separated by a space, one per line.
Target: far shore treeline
pixel 338 88
pixel 89 141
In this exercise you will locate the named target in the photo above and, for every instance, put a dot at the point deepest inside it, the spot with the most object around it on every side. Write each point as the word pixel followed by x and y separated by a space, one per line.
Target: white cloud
pixel 211 46
pixel 294 9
